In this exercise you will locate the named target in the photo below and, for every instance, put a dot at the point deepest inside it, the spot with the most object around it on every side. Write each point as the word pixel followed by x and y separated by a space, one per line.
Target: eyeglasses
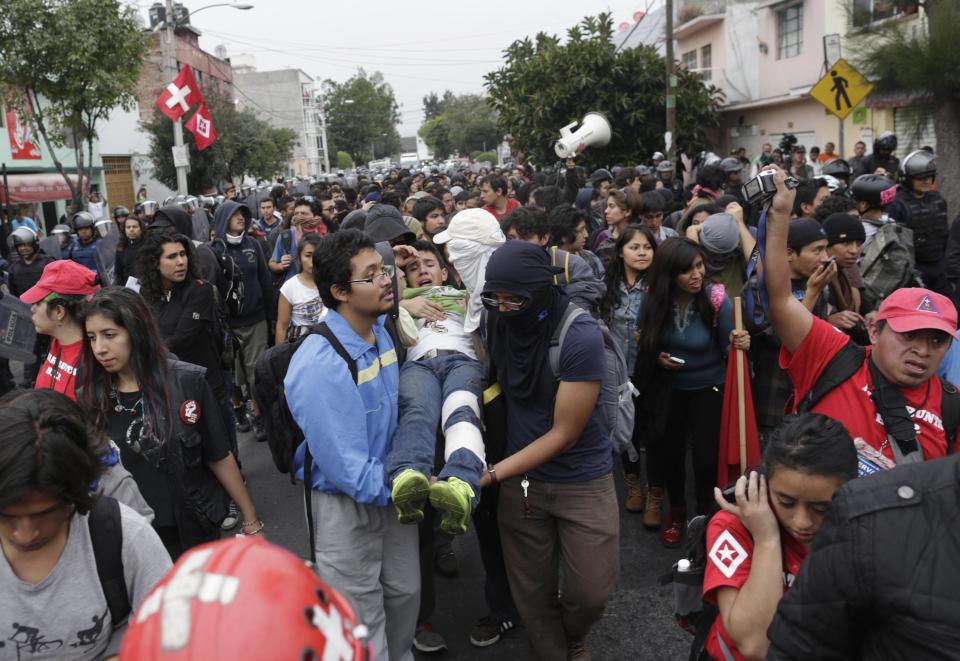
pixel 494 302
pixel 385 275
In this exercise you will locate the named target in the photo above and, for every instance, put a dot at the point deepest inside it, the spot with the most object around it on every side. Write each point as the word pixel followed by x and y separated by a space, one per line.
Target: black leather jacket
pixel 883 579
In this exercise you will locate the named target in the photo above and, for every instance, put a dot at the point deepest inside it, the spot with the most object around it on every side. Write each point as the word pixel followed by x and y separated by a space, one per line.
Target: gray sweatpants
pixel 364 552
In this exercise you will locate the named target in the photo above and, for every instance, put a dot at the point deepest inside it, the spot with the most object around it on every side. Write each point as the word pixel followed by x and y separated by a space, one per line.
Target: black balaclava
pixel 519 340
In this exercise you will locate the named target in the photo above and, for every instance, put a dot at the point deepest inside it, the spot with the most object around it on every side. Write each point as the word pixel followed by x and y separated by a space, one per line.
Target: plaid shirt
pixel 770 383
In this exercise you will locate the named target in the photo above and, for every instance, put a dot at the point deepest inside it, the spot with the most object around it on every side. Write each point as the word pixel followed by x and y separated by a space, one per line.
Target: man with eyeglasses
pixel 284 262
pixel 349 424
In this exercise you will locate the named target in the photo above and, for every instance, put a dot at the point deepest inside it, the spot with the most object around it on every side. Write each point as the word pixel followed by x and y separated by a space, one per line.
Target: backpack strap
pixel 106 535
pixel 560 334
pixel 566 265
pixel 840 368
pixel 949 412
pixel 325 331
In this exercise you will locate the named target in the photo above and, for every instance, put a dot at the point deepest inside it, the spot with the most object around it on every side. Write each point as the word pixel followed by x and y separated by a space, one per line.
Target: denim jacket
pixel 623 321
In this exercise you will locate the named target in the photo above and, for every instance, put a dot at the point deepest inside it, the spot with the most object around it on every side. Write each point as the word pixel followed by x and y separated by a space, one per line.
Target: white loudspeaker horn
pixel 594 131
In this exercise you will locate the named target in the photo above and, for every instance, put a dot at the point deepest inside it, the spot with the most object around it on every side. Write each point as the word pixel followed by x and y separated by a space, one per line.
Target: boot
pixel 634 493
pixel 651 518
pixel 672 533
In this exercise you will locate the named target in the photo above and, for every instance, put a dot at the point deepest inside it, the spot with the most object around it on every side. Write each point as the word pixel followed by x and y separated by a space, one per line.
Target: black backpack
pixel 232 278
pixel 106 535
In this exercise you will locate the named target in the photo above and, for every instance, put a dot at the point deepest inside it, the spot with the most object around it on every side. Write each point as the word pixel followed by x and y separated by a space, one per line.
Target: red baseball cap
pixel 913 308
pixel 65 277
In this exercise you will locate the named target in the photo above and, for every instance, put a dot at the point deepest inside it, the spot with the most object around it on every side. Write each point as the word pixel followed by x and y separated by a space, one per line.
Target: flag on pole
pixel 201 125
pixel 180 95
pixel 739 439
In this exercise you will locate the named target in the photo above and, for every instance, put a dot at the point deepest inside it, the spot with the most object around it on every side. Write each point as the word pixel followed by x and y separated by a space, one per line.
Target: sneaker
pixel 232 518
pixel 452 498
pixel 428 640
pixel 259 431
pixel 488 629
pixel 243 422
pixel 672 534
pixel 445 561
pixel 410 489
pixel 577 650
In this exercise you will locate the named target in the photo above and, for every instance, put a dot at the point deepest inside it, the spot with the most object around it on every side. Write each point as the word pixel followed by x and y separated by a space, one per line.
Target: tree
pixel 244 145
pixel 925 63
pixel 463 123
pixel 344 162
pixel 68 63
pixel 362 116
pixel 546 84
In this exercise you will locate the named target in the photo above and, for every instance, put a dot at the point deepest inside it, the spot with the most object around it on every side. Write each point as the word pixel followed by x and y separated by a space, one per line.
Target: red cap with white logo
pixel 243 598
pixel 913 308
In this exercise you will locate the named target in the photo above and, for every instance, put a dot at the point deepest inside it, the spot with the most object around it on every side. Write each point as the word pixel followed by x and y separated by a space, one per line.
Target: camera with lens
pixel 787 143
pixel 761 189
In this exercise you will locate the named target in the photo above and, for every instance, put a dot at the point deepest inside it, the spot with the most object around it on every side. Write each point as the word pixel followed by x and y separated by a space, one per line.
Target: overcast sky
pixel 419 47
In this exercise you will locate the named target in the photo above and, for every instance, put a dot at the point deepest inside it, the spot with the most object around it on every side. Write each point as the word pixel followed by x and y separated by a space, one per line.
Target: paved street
pixel 638 623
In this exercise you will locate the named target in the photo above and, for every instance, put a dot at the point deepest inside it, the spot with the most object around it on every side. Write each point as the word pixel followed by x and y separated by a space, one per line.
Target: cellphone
pixel 832 260
pixel 677 361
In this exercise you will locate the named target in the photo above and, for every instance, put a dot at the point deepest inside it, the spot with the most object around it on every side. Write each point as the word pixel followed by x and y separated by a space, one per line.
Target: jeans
pixel 445 389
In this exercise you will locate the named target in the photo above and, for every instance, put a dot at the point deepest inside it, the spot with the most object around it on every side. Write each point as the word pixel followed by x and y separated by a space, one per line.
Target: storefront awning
pixel 39 187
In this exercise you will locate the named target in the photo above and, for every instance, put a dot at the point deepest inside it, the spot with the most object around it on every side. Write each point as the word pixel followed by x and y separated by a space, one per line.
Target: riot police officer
pixel 882 156
pixel 839 169
pixel 924 211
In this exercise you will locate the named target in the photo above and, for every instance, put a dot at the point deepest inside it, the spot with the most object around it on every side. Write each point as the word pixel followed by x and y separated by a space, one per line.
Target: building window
pixel 690 60
pixel 706 62
pixel 789 31
pixel 866 12
pixel 198 75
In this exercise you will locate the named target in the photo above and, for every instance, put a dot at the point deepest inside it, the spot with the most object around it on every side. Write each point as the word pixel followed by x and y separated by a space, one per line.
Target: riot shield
pixel 201 225
pixel 106 258
pixel 17 332
pixel 51 246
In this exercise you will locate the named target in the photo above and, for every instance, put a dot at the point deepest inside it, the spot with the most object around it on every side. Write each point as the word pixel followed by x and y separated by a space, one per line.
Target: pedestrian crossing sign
pixel 841 89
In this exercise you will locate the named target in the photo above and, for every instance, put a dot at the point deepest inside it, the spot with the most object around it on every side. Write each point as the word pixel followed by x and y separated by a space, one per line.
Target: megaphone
pixel 594 131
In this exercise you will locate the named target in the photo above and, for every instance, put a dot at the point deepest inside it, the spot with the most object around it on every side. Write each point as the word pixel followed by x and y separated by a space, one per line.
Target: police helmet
pixel 599 176
pixel 150 208
pixel 874 189
pixel 24 236
pixel 82 219
pixel 837 168
pixel 60 229
pixel 731 165
pixel 665 166
pixel 642 170
pixel 120 211
pixel 886 140
pixel 657 156
pixel 919 165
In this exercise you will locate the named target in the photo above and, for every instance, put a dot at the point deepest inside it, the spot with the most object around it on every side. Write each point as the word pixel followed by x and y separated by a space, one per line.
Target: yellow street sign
pixel 841 89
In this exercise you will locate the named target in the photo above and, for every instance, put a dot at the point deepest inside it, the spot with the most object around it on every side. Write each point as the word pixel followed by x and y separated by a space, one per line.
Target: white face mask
pixel 470 259
pixel 233 240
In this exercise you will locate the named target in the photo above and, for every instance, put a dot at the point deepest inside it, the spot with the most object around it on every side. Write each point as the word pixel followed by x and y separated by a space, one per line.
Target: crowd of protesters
pixel 455 334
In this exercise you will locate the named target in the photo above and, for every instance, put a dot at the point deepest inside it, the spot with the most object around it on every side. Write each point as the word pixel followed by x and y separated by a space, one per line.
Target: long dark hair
pixel 148 360
pixel 673 257
pixel 151 288
pixel 616 270
pixel 123 230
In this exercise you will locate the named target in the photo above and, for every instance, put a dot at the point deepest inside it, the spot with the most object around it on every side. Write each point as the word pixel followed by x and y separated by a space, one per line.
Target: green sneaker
pixel 409 494
pixel 452 498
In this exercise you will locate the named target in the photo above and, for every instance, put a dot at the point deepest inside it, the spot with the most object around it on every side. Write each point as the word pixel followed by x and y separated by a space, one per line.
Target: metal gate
pixel 914 128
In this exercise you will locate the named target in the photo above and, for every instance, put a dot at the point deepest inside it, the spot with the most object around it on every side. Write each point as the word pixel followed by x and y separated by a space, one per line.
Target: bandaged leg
pixel 463 442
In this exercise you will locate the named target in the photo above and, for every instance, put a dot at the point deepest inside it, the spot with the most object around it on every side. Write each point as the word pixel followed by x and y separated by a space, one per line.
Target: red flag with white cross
pixel 201 125
pixel 180 95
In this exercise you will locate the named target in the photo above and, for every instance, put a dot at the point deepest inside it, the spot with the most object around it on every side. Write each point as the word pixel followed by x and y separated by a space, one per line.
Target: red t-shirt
pixel 850 401
pixel 730 548
pixel 60 378
pixel 511 205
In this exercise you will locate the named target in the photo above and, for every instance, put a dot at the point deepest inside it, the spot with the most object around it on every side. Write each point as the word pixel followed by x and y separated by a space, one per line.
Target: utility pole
pixel 671 84
pixel 169 51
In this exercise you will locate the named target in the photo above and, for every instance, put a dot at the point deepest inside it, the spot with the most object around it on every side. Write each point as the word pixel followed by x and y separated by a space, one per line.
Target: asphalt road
pixel 638 623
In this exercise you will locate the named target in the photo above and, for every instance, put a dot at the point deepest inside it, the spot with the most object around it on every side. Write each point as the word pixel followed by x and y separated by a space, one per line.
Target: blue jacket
pixel 348 426
pixel 258 297
pixel 85 255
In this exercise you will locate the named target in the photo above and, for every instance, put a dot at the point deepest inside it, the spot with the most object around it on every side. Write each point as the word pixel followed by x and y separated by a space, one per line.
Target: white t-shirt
pixel 307 307
pixel 65 616
pixel 446 335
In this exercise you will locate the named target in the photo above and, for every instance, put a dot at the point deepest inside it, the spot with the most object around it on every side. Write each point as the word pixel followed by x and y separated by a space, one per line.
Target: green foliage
pixel 362 116
pixel 244 145
pixel 925 61
pixel 344 162
pixel 72 62
pixel 463 123
pixel 546 84
pixel 484 156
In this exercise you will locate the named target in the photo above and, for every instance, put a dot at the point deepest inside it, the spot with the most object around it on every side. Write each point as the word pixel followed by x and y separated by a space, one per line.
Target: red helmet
pixel 243 598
